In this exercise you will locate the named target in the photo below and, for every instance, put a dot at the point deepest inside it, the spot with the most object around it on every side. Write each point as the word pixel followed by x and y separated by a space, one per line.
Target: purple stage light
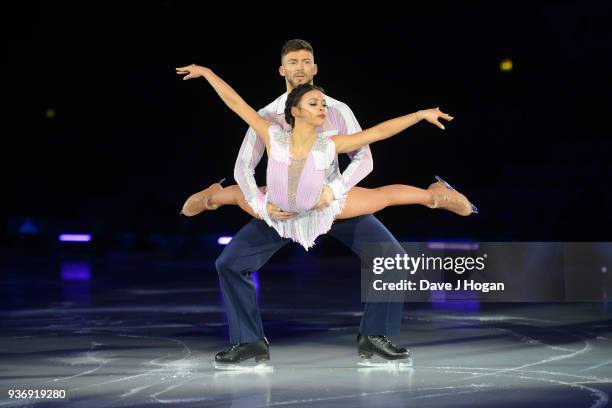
pixel 459 306
pixel 76 271
pixel 255 277
pixel 75 237
pixel 224 240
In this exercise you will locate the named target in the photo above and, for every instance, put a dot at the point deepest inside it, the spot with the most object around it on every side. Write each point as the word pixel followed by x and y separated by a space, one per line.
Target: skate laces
pixel 232 348
pixel 384 339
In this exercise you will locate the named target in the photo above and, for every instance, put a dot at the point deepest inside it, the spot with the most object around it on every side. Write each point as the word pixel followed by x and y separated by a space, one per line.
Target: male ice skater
pixel 256 242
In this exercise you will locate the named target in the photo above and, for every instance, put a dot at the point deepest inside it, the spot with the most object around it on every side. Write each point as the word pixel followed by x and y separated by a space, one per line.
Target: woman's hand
pixel 192 71
pixel 277 214
pixel 327 196
pixel 432 116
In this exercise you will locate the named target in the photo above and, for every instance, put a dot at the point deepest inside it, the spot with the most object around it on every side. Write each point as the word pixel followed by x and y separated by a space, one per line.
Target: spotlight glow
pixel 75 237
pixel 224 240
pixel 505 65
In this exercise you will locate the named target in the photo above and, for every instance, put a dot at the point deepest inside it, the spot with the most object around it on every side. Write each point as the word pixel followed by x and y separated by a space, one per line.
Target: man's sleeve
pixel 361 159
pixel 249 156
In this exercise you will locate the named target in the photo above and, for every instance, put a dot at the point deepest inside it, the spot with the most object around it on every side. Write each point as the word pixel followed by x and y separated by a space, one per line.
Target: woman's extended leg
pixel 216 196
pixel 361 201
pixel 232 195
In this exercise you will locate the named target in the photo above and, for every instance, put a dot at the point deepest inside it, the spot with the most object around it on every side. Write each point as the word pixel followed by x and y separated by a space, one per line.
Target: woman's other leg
pixel 231 195
pixel 361 201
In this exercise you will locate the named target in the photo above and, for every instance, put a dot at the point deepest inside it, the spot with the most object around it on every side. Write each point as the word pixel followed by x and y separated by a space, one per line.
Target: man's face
pixel 298 68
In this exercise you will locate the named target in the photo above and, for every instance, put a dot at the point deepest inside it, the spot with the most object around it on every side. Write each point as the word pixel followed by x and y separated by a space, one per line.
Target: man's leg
pixel 248 251
pixel 379 318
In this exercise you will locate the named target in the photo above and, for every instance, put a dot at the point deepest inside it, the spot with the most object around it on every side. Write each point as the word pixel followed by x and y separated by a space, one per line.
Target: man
pixel 256 242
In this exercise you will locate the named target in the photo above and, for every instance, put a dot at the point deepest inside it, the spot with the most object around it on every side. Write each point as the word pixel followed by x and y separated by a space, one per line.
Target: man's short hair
pixel 295 45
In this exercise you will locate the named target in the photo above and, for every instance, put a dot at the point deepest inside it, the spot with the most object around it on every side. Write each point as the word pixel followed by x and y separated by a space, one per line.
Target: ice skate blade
pixel 391 365
pixel 240 367
pixel 444 182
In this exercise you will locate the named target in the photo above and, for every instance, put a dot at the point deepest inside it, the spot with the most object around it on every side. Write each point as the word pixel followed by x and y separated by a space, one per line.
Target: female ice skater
pixel 298 162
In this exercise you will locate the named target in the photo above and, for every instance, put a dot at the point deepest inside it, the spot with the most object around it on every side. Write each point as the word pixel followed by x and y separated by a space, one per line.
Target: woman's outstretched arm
pixel 230 97
pixel 348 143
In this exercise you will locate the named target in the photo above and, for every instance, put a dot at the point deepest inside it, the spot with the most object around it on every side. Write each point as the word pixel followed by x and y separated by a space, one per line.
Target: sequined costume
pixel 296 185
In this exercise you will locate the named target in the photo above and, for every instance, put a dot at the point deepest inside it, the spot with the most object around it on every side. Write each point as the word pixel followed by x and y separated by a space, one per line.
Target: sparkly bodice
pixel 295 171
pixel 295 185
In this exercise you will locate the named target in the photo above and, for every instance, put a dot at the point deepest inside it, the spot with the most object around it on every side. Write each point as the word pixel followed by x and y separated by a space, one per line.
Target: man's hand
pixel 432 115
pixel 277 214
pixel 327 196
pixel 192 71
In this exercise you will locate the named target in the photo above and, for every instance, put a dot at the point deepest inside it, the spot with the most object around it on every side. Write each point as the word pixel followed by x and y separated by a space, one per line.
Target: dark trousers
pixel 256 242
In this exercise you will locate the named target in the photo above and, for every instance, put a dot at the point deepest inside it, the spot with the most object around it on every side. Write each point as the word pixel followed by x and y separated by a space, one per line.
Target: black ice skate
pixel 381 346
pixel 235 357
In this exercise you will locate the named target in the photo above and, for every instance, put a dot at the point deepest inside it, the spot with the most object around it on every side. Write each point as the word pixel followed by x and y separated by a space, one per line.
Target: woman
pixel 298 160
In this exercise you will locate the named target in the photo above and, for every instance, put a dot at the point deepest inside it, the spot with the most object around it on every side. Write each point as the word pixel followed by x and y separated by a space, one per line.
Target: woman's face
pixel 312 108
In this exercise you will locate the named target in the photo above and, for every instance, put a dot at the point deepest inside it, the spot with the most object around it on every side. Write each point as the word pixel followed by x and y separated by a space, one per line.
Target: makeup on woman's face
pixel 313 107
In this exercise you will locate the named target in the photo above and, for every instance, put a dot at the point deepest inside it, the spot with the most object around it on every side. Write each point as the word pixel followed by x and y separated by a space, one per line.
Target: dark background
pixel 127 141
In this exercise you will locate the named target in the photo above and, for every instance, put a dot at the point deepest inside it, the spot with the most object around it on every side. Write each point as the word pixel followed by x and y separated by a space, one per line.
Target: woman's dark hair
pixel 294 98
